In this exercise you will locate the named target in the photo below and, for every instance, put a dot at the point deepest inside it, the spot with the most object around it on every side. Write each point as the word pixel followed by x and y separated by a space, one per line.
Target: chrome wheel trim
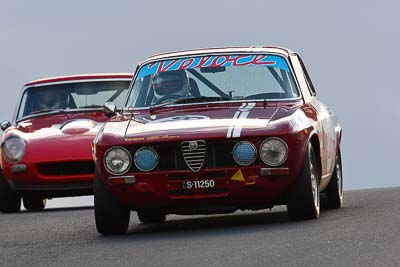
pixel 314 185
pixel 339 179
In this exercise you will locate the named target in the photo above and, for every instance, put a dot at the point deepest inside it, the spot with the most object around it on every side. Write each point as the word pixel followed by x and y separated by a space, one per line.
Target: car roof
pixel 220 50
pixel 80 77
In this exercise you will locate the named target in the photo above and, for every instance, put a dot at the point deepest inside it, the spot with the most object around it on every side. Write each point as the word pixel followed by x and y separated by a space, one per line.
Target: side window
pixel 300 76
pixel 307 77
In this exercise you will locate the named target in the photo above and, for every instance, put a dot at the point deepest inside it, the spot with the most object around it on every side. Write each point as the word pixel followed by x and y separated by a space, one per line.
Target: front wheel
pixel 34 202
pixel 10 201
pixel 303 199
pixel 111 217
pixel 334 190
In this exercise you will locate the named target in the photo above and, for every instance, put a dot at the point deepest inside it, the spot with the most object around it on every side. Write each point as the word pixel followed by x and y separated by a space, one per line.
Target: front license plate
pixel 198 184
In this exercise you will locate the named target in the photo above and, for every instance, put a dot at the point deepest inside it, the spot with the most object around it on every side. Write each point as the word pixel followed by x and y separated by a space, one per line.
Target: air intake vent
pixel 194 154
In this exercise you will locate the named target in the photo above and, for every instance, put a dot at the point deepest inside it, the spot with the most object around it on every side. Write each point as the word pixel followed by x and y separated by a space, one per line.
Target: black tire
pixel 34 202
pixel 10 201
pixel 151 216
pixel 304 197
pixel 334 190
pixel 111 217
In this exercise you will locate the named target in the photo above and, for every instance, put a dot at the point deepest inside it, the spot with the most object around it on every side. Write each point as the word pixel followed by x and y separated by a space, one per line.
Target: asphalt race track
pixel 365 232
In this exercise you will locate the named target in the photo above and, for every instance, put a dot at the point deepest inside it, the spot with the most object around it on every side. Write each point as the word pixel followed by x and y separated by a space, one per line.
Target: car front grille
pixel 217 154
pixel 194 154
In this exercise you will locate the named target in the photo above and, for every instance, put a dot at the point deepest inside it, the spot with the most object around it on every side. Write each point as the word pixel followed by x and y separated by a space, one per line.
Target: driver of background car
pixel 169 86
pixel 51 99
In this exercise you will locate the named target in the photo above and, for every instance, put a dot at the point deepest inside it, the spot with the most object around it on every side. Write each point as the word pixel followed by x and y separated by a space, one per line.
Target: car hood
pixel 230 121
pixel 59 138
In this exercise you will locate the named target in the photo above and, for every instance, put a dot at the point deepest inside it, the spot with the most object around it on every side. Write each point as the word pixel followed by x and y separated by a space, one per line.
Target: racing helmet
pixel 170 83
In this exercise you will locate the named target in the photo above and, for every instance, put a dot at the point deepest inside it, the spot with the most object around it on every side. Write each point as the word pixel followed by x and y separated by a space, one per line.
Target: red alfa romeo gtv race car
pixel 213 131
pixel 46 151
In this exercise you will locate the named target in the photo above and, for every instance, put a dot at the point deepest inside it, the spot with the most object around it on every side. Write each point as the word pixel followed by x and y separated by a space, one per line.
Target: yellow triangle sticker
pixel 238 176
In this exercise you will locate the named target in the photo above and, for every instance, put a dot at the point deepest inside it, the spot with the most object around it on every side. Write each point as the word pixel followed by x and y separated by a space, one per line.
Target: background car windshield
pixel 213 78
pixel 81 95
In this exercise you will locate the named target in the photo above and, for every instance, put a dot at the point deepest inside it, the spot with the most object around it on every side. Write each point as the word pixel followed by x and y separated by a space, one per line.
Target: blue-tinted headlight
pixel 244 153
pixel 146 159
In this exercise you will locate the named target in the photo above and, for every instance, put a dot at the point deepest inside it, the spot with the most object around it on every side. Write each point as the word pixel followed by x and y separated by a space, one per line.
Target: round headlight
pixel 14 149
pixel 244 153
pixel 117 160
pixel 146 159
pixel 273 151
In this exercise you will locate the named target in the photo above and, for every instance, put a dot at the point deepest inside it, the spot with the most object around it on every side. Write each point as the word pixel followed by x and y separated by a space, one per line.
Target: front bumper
pixel 62 178
pixel 21 186
pixel 52 190
pixel 244 187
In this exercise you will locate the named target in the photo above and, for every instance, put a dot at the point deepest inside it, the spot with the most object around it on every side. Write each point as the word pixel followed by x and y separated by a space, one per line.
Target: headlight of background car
pixel 14 149
pixel 244 153
pixel 146 159
pixel 273 151
pixel 117 160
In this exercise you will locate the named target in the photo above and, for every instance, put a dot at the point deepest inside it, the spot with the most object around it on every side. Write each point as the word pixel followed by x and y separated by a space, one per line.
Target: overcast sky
pixel 349 47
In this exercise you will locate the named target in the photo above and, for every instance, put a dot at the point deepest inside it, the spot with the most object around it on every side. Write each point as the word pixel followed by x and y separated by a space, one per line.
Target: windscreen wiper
pixel 92 106
pixel 45 110
pixel 153 108
pixel 201 99
pixel 198 99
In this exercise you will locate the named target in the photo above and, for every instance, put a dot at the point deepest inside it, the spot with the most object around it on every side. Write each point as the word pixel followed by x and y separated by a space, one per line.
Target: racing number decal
pixel 179 118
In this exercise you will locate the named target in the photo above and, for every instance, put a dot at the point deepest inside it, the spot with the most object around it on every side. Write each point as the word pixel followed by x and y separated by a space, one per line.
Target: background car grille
pixel 194 157
pixel 66 168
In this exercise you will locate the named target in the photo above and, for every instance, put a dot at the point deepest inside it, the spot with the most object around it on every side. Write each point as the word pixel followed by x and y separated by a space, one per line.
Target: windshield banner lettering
pixel 213 61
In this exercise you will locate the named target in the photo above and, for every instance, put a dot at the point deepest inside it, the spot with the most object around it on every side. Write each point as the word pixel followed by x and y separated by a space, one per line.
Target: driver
pixel 52 99
pixel 169 86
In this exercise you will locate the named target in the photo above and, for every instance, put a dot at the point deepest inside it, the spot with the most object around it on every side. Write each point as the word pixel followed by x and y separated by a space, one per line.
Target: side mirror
pixel 5 125
pixel 109 109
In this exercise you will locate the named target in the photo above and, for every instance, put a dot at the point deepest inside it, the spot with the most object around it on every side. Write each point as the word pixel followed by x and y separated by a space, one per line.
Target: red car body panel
pixel 58 155
pixel 297 122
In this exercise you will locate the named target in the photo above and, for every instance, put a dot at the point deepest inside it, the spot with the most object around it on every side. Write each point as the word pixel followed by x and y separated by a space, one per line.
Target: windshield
pixel 213 78
pixel 71 96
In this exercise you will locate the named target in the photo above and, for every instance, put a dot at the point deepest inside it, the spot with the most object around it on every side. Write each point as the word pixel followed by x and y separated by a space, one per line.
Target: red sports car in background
pixel 46 150
pixel 213 131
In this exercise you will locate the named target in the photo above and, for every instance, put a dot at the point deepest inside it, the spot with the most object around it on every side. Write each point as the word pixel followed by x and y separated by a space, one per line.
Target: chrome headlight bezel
pixel 6 149
pixel 155 163
pixel 267 161
pixel 237 160
pixel 126 169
